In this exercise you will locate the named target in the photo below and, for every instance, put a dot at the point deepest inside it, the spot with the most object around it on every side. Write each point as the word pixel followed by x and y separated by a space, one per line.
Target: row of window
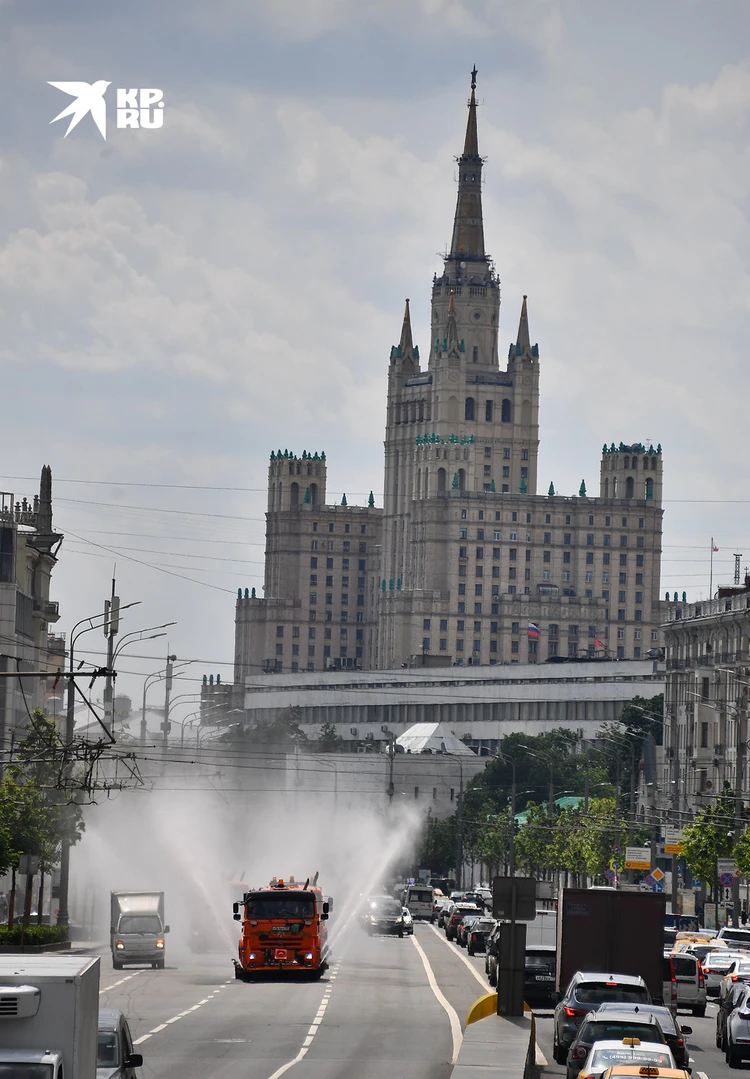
pixel 329 581
pixel 515 628
pixel 312 615
pixel 312 633
pixel 472 408
pixel 548 517
pixel 347 528
pixel 361 564
pixel 332 546
pixel 329 599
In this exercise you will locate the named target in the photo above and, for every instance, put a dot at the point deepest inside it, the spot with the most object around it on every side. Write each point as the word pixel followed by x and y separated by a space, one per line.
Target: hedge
pixel 35 934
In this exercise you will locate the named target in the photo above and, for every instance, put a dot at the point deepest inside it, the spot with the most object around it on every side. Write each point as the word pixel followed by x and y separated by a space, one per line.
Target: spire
pixel 44 517
pixel 468 229
pixel 406 345
pixel 523 342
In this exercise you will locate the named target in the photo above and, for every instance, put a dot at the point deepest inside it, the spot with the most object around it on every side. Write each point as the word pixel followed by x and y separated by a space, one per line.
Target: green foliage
pixel 34 935
pixel 329 740
pixel 643 716
pixel 710 836
pixel 438 847
pixel 282 733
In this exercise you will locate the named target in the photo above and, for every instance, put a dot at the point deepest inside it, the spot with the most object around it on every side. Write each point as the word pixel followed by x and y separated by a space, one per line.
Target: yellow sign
pixel 672 840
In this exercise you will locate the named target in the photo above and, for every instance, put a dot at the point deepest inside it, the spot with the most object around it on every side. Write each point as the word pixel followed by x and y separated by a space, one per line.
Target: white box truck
pixel 49 1016
pixel 137 929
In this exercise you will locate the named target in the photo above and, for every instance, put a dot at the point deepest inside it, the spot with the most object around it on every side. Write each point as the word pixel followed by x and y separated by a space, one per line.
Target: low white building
pixel 479 705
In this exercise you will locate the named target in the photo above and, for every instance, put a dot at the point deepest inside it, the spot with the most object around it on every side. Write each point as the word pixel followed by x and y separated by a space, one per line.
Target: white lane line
pixel 143 1038
pixel 162 1026
pixel 450 1011
pixel 180 1015
pixel 314 1028
pixel 127 978
pixel 457 951
pixel 541 1060
pixel 702 1075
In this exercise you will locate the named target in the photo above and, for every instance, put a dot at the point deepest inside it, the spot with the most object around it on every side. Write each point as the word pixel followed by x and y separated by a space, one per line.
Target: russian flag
pixel 533 630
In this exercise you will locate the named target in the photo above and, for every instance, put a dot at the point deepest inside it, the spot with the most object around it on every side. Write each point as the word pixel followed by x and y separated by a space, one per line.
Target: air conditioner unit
pixel 353 731
pixel 384 728
pixel 369 737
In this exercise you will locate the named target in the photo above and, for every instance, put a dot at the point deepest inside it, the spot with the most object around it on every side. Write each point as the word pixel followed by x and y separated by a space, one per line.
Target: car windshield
pixel 106 1049
pixel 387 907
pixel 540 962
pixel 599 992
pixel 21 1070
pixel 485 924
pixel 268 905
pixel 737 936
pixel 139 923
pixel 419 897
pixel 617 1029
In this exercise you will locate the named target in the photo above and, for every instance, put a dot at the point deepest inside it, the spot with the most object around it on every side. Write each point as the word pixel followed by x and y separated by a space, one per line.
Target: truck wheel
pixel 116 965
pixel 159 964
pixel 401 934
pixel 699 1010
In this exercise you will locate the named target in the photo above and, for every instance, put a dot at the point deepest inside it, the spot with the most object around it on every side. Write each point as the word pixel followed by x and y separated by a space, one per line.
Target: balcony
pixel 46 609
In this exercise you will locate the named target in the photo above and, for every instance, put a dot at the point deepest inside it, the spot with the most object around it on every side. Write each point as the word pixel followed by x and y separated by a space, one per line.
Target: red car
pixel 456 917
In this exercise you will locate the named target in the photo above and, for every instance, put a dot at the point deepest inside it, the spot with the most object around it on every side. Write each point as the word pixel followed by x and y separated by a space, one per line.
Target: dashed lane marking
pixel 702 1075
pixel 314 1028
pixel 448 1008
pixel 180 1015
pixel 114 985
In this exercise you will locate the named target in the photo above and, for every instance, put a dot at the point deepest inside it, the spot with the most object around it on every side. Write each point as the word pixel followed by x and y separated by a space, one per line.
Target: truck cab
pixel 31 1064
pixel 137 929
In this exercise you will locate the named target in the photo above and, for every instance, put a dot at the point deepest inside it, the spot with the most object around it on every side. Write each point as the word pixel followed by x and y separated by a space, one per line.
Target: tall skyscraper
pixel 468 563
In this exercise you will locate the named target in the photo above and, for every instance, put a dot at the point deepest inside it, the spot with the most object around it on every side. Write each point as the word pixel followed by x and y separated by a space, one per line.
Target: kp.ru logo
pixel 135 108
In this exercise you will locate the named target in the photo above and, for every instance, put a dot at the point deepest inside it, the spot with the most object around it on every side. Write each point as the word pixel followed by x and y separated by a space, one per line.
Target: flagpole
pixel 711 577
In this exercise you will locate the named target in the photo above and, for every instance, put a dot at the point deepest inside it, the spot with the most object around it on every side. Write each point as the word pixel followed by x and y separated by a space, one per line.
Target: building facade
pixel 467 563
pixel 707 652
pixel 28 553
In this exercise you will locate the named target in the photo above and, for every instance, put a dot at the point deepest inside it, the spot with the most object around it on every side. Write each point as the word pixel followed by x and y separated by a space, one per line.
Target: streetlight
pixel 150 680
pixel 94 622
pixel 137 636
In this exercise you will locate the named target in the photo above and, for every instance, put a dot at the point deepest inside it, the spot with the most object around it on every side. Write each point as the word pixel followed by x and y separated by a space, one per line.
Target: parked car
pixel 464 926
pixel 585 993
pixel 115 1058
pixel 408 921
pixel 605 1054
pixel 737 1034
pixel 456 916
pixel 691 982
pixel 735 998
pixel 715 966
pixel 477 937
pixel 673 1031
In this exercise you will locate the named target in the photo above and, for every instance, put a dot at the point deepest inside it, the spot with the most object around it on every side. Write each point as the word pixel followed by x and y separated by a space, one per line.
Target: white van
pixel 419 898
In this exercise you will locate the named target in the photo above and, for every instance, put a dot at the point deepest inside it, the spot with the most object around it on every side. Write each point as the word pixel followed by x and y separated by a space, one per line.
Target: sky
pixel 175 303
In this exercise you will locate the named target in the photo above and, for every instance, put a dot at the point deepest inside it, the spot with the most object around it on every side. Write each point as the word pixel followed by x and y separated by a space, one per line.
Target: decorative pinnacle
pixel 474 74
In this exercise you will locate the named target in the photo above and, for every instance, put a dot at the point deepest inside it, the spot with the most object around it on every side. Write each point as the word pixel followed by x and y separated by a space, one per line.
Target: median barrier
pixel 495 1047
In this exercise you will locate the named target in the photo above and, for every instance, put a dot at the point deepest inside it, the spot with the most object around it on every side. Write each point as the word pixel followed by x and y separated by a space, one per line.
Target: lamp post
pixel 151 680
pixel 133 638
pixel 94 622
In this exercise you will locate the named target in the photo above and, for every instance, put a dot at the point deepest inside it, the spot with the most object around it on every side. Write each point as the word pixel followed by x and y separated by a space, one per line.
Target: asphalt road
pixel 376 1013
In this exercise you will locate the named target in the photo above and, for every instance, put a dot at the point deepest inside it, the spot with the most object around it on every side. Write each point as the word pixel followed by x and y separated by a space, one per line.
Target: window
pixel 477 645
pixel 590 539
pixel 460 626
pixel 624 522
pixel 311 633
pixel 363 529
pixel 443 625
pixel 621 635
pixel 506 472
pixel 279 631
pixel 639 597
pixel 605 559
pixel 362 565
pixel 313 598
pixel 480 533
pixel 513 517
pixel 566 575
pixel 566 558
pixel 329 563
pixel 639 560
pixel 607 538
pixel 463 552
pixel 462 589
pixel 295 631
pixel 459 644
pixel 641 522
pixel 589 558
pixel 605 578
pixel 463 515
pixel 461 607
pixel 462 571
pixel 636 635
pixel 443 644
pixel 512 573
pixel 315 526
pixel 623 560
pixel 330 528
pixel 524 471
pixel 347 546
pixel 295 649
pixel 480 552
pixel 495 552
pixel 654 634
pixel 512 551
pixel 344 616
pixel 621 597
pixel 505 411
pixel 313 562
pixel 524 455
pixel 621 615
pixel 640 541
pixel 591 520
pixel 528 556
pixel 469 408
pixel 463 533
pixel 329 599
pixel 313 545
pixel 623 578
pixel 514 627
pixel 488 411
pixel 527 575
pixel 425 623
pixel 623 541
pixel 488 470
pixel 426 644
pixel 312 616
pixel 477 589
pixel 589 576
pixel 279 649
pixel 547 556
pixel 514 646
pixel 607 521
pixel 567 518
pixel 545 574
pixel 639 578
pixel 362 548
pixel 639 616
pixel 567 538
pixel 488 451
pixel 547 520
pixel 620 652
pixel 329 581
pixel 548 537
pixel 592 631
pixel 327 633
pixel 572 631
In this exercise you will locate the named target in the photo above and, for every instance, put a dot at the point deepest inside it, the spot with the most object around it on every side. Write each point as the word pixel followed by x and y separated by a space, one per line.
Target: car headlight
pixel 119 945
pixel 160 943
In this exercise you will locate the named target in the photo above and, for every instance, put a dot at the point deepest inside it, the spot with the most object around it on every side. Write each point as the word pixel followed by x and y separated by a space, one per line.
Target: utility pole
pixel 166 726
pixel 460 827
pixel 739 807
pixel 111 628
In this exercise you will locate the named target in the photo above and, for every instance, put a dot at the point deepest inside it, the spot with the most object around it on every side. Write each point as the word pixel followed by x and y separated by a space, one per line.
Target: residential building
pixel 28 554
pixel 707 653
pixel 467 564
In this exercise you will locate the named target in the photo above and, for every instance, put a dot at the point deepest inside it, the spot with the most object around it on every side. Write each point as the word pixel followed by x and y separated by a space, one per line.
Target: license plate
pixel 543 978
pixel 280 953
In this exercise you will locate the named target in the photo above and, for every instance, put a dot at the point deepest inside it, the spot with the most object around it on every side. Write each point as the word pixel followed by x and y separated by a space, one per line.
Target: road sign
pixel 727 865
pixel 637 857
pixel 726 880
pixel 649 880
pixel 672 840
pixel 658 887
pixel 610 874
pixel 657 874
pixel 503 889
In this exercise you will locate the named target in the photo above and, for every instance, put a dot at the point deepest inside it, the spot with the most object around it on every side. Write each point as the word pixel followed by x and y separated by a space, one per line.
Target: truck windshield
pixel 280 906
pixel 139 923
pixel 20 1070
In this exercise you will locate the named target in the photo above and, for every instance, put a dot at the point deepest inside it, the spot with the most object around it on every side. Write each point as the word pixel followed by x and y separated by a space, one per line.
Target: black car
pixel 383 915
pixel 611 1026
pixel 539 973
pixel 476 938
pixel 673 1031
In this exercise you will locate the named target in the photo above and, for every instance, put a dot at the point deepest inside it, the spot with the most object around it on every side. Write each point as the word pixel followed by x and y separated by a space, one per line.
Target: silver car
pixel 737 1036
pixel 715 966
pixel 115 1058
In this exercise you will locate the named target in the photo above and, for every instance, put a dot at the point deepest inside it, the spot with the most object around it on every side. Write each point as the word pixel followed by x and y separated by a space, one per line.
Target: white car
pixel 738 972
pixel 606 1054
pixel 408 921
pixel 715 966
pixel 691 982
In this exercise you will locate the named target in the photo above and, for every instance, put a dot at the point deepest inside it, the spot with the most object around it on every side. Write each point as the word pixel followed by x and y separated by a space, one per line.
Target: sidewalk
pixel 497 1048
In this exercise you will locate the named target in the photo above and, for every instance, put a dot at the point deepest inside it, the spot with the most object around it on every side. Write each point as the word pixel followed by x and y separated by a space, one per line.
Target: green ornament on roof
pixel 343 499
pixel 416 352
pixel 273 456
pixel 252 594
pixel 658 448
pixel 454 484
pixel 612 448
pixel 582 489
pixel 304 455
pixel 239 593
pixel 551 490
pixel 322 455
pixel 247 593
pixel 604 448
pixel 308 496
pixel 371 500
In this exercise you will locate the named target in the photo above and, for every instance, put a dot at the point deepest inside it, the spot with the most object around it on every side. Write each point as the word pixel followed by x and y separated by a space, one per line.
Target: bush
pixel 35 934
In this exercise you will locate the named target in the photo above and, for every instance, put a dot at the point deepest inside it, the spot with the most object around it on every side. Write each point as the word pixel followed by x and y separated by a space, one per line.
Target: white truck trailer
pixel 49 1015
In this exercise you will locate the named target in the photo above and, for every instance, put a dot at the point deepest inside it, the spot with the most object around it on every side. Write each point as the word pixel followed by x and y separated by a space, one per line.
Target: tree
pixel 710 836
pixel 437 850
pixel 329 740
pixel 283 733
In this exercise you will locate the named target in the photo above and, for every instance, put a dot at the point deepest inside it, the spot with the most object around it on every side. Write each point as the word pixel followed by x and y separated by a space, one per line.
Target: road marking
pixel 457 951
pixel 541 1060
pixel 448 1008
pixel 180 1015
pixel 314 1028
pixel 702 1075
pixel 127 978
